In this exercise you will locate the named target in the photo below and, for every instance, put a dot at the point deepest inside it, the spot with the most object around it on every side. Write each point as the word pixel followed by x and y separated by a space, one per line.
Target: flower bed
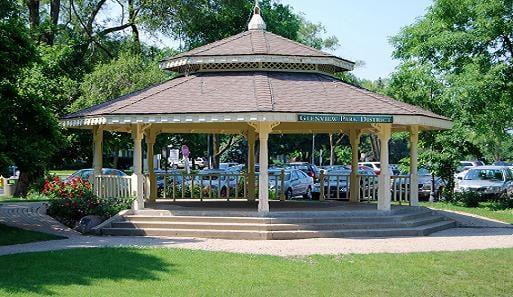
pixel 72 200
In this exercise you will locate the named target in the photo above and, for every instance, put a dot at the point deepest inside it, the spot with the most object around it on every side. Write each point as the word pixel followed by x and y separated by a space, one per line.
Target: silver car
pixel 295 183
pixel 488 181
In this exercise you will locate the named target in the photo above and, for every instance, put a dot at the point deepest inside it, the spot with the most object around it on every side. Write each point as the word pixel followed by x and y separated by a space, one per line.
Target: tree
pixel 29 132
pixel 457 60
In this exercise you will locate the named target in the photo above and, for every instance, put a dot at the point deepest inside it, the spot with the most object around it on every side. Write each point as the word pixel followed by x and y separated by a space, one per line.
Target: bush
pixel 467 198
pixel 73 200
pixel 504 201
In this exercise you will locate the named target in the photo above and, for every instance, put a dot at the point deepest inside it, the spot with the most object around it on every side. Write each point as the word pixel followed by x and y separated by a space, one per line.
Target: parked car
pixel 295 183
pixel 87 174
pixel 376 166
pixel 503 163
pixel 425 182
pixel 331 185
pixel 464 166
pixel 488 181
pixel 310 169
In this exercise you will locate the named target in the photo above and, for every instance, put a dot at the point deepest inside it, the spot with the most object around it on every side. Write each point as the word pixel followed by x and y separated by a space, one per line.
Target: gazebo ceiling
pixel 255 76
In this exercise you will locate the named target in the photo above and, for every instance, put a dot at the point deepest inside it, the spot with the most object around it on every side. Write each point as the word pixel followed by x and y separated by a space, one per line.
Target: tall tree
pixel 28 130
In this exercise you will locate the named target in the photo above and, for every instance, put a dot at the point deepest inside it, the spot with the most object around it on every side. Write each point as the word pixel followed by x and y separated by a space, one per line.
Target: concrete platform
pixel 286 220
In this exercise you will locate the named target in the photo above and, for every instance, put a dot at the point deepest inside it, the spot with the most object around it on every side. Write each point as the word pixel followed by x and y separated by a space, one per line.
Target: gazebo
pixel 257 83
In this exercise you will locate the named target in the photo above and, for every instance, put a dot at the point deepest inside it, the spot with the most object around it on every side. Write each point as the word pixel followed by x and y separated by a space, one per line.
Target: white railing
pixel 202 186
pixel 401 188
pixel 113 186
pixel 368 187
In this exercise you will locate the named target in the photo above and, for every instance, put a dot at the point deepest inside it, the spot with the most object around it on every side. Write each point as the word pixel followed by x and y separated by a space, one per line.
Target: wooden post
pixel 321 186
pixel 384 132
pixel 251 165
pixel 414 176
pixel 97 150
pixel 150 142
pixel 282 185
pixel 137 136
pixel 354 190
pixel 263 129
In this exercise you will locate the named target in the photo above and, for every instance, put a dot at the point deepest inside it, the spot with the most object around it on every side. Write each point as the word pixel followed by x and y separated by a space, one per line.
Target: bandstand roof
pixel 254 76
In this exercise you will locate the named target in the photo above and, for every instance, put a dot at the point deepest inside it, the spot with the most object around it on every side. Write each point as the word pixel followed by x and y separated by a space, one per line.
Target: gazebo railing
pixel 368 187
pixel 113 186
pixel 226 186
pixel 401 188
pixel 334 186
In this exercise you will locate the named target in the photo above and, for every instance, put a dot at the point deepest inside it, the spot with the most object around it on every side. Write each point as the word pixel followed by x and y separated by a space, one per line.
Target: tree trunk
pixel 33 7
pixel 375 147
pixel 24 182
pixel 132 15
pixel 55 6
pixel 332 151
pixel 215 151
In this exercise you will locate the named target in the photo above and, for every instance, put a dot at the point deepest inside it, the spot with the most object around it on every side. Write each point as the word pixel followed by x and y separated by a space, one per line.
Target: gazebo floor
pixel 286 220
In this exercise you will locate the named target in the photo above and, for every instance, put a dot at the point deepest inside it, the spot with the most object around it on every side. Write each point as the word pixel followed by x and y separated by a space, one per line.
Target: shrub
pixel 467 198
pixel 75 199
pixel 504 201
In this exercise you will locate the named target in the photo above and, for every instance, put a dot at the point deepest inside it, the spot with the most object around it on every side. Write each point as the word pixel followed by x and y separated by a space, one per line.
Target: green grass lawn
pixel 174 272
pixel 62 173
pixel 483 210
pixel 10 235
pixel 19 199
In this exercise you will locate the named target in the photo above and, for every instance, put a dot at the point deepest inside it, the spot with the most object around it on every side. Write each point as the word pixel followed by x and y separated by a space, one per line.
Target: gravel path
pixel 456 239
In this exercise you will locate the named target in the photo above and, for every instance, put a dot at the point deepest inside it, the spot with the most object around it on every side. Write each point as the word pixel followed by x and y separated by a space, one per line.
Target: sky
pixel 363 28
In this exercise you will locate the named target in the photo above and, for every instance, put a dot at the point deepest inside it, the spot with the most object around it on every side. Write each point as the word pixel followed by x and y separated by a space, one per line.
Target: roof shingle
pixel 254 92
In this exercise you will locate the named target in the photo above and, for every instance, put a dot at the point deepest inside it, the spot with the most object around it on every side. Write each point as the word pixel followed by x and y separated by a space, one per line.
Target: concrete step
pixel 326 225
pixel 381 232
pixel 286 234
pixel 278 220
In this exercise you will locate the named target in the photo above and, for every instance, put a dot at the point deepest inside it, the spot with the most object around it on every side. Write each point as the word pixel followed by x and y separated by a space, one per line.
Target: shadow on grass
pixel 42 273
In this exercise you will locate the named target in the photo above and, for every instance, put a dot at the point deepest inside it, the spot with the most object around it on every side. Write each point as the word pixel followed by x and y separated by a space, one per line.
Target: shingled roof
pixel 253 92
pixel 251 74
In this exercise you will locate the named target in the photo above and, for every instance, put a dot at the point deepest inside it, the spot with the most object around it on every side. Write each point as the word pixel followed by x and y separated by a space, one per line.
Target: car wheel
pixel 288 194
pixel 308 194
pixel 223 192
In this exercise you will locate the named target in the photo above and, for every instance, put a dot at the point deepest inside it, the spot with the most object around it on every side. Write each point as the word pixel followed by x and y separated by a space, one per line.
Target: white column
pixel 384 195
pixel 414 176
pixel 263 129
pixel 354 139
pixel 150 142
pixel 97 150
pixel 137 177
pixel 251 164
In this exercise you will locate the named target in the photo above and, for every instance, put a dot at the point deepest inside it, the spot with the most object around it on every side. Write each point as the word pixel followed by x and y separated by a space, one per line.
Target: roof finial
pixel 257 22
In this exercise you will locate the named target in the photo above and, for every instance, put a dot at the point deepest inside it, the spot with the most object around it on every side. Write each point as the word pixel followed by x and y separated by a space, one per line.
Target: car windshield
pixel 484 174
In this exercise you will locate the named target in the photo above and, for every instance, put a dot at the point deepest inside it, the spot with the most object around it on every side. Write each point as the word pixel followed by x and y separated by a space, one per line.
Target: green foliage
pixel 343 154
pixel 467 198
pixel 73 200
pixel 457 61
pixel 123 75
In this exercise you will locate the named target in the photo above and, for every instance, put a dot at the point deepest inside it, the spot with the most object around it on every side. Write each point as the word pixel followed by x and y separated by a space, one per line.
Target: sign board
pixel 185 151
pixel 174 155
pixel 11 181
pixel 344 118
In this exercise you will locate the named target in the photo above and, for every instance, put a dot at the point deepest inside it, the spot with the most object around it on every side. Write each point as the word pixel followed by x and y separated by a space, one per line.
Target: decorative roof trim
pixel 342 64
pixel 84 122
